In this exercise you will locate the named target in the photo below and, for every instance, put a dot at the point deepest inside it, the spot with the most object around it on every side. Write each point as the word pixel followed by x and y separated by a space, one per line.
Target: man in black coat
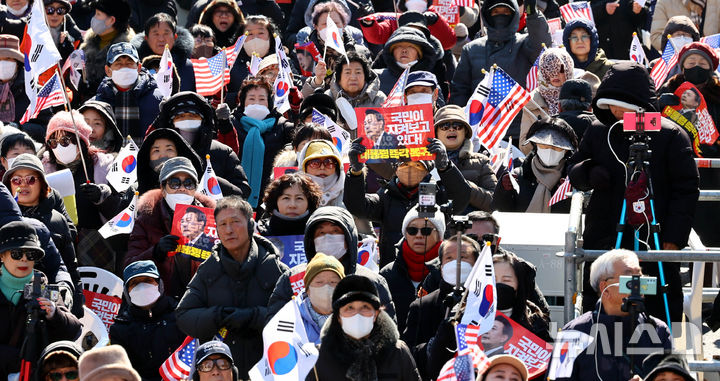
pixel 601 167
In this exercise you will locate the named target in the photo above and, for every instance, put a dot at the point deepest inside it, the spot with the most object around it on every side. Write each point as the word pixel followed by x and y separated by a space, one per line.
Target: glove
pixel 430 18
pixel 442 161
pixel 238 318
pixel 223 111
pixel 165 245
pixel 366 23
pixel 95 193
pixel 356 149
pixel 506 182
pixel 599 177
pixel 530 7
pixel 668 99
pixel 445 336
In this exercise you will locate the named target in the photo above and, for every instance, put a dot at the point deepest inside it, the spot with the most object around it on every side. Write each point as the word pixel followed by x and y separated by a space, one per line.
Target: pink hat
pixel 63 122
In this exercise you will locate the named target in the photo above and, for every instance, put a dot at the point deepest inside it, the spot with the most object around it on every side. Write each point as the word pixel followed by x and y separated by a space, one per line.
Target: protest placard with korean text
pixel 395 134
pixel 195 225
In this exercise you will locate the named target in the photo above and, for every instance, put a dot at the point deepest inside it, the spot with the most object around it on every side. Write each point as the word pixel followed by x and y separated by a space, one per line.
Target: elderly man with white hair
pixel 609 326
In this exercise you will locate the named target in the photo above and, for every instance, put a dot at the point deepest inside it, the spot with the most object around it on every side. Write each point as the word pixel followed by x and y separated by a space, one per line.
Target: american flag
pixel 209 71
pixel 505 99
pixel 464 3
pixel 531 81
pixel 714 42
pixel 397 94
pixel 577 10
pixel 180 363
pixel 50 95
pixel 663 66
pixel 468 360
pixel 561 192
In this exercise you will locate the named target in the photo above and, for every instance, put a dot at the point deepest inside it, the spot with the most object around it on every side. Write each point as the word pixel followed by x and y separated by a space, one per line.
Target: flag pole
pixel 222 84
pixel 72 117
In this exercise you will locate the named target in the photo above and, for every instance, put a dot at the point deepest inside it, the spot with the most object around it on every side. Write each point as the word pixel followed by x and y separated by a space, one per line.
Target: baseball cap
pixel 122 49
pixel 210 348
pixel 175 165
pixel 421 78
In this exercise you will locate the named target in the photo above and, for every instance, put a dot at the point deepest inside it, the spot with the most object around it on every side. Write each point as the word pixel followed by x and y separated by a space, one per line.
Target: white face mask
pixel 144 294
pixel 357 326
pixel 321 297
pixel 449 271
pixel 256 111
pixel 257 45
pixel 416 5
pixel 173 199
pixel 331 244
pixel 188 124
pixel 98 26
pixel 10 162
pixel 419 99
pixel 407 65
pixel 7 70
pixel 66 155
pixel 549 157
pixel 18 12
pixel 125 77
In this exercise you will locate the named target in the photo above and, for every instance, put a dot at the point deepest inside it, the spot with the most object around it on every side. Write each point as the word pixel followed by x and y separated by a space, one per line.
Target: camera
pixel 33 291
pixel 426 200
pixel 643 285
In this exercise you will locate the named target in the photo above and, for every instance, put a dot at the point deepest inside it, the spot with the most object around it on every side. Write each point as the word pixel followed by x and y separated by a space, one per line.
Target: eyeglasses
pixel 64 141
pixel 222 12
pixel 28 180
pixel 175 183
pixel 207 365
pixel 57 376
pixel 59 10
pixel 584 37
pixel 317 163
pixel 31 255
pixel 424 231
pixel 451 126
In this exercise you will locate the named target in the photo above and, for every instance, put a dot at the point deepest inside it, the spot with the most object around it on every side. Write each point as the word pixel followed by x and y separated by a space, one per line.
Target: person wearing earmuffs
pixel 231 288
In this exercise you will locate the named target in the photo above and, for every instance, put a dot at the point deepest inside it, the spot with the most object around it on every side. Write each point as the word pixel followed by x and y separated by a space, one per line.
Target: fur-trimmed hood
pixel 432 50
pixel 286 158
pixel 383 335
pixel 181 50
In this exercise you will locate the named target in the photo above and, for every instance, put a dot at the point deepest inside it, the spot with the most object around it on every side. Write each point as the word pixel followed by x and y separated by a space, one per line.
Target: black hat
pixel 118 8
pixel 212 347
pixel 65 3
pixel 411 17
pixel 353 288
pixel 19 235
pixel 666 363
pixel 322 102
pixel 184 101
pixel 577 89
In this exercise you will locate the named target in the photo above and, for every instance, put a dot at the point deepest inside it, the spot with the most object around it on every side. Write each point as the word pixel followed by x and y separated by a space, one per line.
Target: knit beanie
pixel 703 50
pixel 62 121
pixel 438 220
pixel 319 263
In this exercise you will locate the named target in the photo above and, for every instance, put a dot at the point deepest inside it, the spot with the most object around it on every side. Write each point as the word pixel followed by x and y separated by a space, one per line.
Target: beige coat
pixel 665 9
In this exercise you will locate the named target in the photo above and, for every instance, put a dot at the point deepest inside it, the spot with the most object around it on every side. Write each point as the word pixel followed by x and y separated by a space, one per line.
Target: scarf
pixel 553 62
pixel 332 188
pixel 127 112
pixel 7 103
pixel 454 156
pixel 12 286
pixel 547 178
pixel 417 270
pixel 55 33
pixel 254 153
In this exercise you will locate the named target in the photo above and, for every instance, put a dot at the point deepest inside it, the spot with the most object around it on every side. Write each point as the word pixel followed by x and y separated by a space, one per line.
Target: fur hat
pixel 355 288
pixel 120 9
pixel 99 363
pixel 62 121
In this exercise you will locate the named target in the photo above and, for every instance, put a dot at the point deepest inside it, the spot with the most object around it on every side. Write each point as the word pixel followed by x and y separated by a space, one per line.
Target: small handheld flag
pixel 662 67
pixel 254 64
pixel 333 38
pixel 210 184
pixel 577 10
pixel 481 298
pixel 397 94
pixel 123 171
pixel 562 192
pixel 164 77
pixel 178 366
pixel 75 62
pixel 637 53
pixel 123 223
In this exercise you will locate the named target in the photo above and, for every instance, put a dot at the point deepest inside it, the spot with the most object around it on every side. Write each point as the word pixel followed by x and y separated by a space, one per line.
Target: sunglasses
pixel 59 10
pixel 28 180
pixel 207 365
pixel 424 231
pixel 451 126
pixel 64 141
pixel 70 375
pixel 584 37
pixel 31 255
pixel 175 183
pixel 317 163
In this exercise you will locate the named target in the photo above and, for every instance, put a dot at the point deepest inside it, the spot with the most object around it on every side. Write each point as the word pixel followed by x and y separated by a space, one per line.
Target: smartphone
pixel 651 121
pixel 647 285
pixel 427 192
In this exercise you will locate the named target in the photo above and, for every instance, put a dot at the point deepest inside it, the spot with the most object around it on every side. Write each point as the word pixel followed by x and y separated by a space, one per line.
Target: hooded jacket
pixel 475 168
pixel 62 345
pixel 227 38
pixel 672 170
pixel 432 52
pixel 96 57
pixel 148 336
pixel 596 63
pixel 142 10
pixel 224 161
pixel 181 53
pixel 669 17
pixel 222 282
pixel 112 140
pixel 291 282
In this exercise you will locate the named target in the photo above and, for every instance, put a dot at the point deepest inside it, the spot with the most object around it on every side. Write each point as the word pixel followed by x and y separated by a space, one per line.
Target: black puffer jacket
pixel 390 204
pixel 224 161
pixel 181 53
pixel 142 10
pixel 74 36
pixel 148 336
pixel 223 282
pixel 475 168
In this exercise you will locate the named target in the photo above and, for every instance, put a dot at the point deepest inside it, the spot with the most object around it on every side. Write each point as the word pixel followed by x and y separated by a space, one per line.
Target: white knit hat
pixel 438 220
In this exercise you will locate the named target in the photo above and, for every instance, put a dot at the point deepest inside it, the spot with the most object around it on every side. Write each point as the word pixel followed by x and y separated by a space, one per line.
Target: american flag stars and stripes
pixel 464 3
pixel 397 94
pixel 662 67
pixel 577 10
pixel 561 193
pixel 714 42
pixel 531 81
pixel 179 365
pixel 50 95
pixel 504 101
pixel 209 71
pixel 468 360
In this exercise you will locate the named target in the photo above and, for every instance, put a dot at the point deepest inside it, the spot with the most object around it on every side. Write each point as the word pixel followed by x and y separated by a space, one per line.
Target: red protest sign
pixel 447 9
pixel 509 337
pixel 692 102
pixel 395 133
pixel 106 307
pixel 195 225
pixel 307 55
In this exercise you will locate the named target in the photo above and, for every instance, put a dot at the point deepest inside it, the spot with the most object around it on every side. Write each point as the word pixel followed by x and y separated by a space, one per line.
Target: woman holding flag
pixel 13 101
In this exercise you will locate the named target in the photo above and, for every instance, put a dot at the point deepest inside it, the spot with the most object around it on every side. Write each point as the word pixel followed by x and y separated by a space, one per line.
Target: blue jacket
pixel 312 329
pixel 147 98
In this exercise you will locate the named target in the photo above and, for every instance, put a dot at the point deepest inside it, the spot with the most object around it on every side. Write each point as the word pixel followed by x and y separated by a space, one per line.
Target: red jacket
pixel 386 22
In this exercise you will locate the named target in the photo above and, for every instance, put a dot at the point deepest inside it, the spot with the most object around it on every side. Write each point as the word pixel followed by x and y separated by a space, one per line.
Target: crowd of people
pixel 380 277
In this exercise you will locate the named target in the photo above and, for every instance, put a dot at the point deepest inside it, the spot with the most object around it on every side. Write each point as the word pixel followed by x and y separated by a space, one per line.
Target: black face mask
pixel 505 296
pixel 697 75
pixel 501 21
pixel 157 164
